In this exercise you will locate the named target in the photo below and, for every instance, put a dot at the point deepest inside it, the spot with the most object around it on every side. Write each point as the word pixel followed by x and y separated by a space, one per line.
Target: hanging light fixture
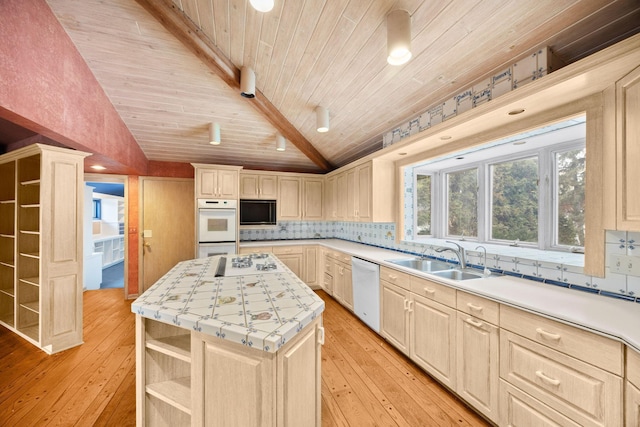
pixel 262 5
pixel 280 142
pixel 247 82
pixel 398 37
pixel 322 119
pixel 214 134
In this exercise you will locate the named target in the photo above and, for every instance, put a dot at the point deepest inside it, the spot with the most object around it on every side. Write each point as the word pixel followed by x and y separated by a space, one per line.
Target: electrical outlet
pixel 625 264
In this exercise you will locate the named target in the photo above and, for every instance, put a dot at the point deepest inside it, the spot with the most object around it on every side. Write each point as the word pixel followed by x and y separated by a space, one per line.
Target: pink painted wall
pixel 46 86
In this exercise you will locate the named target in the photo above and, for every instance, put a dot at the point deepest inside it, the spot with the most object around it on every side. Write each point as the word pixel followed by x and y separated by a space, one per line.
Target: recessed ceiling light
pixel 445 137
pixel 402 154
pixel 98 167
pixel 516 112
pixel 519 142
pixel 460 158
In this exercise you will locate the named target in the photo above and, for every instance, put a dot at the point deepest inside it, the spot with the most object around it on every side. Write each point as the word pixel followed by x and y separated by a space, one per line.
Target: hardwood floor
pixel 365 382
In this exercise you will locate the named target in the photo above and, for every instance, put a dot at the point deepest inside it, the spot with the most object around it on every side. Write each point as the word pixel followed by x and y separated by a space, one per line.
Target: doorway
pixel 104 232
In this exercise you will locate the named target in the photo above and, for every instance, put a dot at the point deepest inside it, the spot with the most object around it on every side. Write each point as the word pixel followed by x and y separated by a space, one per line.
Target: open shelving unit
pixel 41 245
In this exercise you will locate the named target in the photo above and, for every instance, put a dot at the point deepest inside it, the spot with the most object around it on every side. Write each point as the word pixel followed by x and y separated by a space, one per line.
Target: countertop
pixel 259 309
pixel 606 316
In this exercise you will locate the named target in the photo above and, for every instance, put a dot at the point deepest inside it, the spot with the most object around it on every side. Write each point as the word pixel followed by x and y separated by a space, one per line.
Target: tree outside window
pixel 570 176
pixel 423 205
pixel 462 198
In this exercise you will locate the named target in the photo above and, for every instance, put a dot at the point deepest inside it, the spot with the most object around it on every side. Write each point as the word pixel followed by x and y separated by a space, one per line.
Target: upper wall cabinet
pixel 365 193
pixel 216 181
pixel 628 152
pixel 300 197
pixel 258 186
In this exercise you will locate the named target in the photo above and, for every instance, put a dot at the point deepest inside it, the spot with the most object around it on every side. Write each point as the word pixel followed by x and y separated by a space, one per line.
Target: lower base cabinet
pixel 192 379
pixel 517 408
pixel 394 319
pixel 632 403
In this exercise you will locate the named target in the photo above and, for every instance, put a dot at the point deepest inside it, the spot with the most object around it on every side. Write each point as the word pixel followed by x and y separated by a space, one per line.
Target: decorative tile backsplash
pixel 557 268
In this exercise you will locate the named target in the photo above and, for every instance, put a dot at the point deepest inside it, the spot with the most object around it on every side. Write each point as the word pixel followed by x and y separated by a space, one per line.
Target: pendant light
pixel 247 82
pixel 262 5
pixel 280 142
pixel 214 134
pixel 322 119
pixel 398 37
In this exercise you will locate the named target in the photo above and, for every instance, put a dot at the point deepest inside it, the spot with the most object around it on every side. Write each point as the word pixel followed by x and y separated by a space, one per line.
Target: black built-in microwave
pixel 257 212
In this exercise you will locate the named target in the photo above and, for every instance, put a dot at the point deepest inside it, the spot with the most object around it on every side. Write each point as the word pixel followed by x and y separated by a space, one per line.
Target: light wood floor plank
pixel 365 381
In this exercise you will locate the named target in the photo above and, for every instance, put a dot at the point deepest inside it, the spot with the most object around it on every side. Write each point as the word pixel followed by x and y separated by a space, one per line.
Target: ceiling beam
pixel 185 30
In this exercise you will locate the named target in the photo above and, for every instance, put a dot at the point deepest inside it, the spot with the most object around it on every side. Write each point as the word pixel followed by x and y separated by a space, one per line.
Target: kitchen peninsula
pixel 238 345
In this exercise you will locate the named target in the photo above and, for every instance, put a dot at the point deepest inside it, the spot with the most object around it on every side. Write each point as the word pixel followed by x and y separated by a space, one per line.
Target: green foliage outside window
pixel 570 205
pixel 514 210
pixel 463 203
pixel 423 204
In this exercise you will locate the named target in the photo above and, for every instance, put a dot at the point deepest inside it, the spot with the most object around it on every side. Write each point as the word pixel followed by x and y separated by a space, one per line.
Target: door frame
pixel 141 181
pixel 120 179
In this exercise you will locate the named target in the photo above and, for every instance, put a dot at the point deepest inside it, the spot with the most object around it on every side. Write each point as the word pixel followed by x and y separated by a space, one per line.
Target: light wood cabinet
pixel 292 257
pixel 187 378
pixel 394 315
pixel 216 181
pixel 258 186
pixel 519 409
pixel 632 389
pixel 289 198
pixel 343 284
pixel 41 209
pixel 310 270
pixel 312 189
pixel 432 338
pixel 628 151
pixel 365 192
pixel 477 356
pixel 330 201
pixel 255 250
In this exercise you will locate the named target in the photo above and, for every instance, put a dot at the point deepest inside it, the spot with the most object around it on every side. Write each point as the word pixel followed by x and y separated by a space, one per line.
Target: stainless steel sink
pixel 458 274
pixel 422 264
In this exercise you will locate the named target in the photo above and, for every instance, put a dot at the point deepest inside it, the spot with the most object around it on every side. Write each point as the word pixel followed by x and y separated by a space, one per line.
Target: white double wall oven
pixel 217 227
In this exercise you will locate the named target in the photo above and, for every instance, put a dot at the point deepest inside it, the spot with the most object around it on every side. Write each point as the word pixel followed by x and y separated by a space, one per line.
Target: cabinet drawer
pixel 284 250
pixel 397 278
pixel 328 265
pixel 479 307
pixel 256 250
pixel 573 341
pixel 517 408
pixel 633 367
pixel 584 393
pixel 434 291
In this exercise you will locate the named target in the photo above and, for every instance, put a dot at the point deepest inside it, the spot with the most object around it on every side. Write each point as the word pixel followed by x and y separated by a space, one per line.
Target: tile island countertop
pixel 261 309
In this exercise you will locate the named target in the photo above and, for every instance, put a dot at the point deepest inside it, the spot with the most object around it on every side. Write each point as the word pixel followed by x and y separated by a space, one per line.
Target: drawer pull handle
pixel 474 307
pixel 472 322
pixel 406 304
pixel 321 335
pixel 430 291
pixel 548 335
pixel 410 306
pixel 547 380
pixel 393 277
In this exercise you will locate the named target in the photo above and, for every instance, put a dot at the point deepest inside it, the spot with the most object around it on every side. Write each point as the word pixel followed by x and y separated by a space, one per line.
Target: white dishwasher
pixel 366 291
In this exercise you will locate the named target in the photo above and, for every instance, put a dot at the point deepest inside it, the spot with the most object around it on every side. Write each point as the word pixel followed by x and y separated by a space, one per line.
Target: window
pixel 527 189
pixel 514 200
pixel 569 206
pixel 97 209
pixel 462 203
pixel 423 204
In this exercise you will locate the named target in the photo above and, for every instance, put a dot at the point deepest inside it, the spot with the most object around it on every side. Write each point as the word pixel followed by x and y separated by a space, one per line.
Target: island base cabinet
pixel 236 385
pixel 632 416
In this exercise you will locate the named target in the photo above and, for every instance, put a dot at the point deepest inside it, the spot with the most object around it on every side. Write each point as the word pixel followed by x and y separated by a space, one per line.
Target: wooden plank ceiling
pixel 313 52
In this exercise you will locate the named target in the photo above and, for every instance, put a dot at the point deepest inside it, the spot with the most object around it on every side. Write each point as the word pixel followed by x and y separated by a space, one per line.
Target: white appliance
pixel 217 226
pixel 366 291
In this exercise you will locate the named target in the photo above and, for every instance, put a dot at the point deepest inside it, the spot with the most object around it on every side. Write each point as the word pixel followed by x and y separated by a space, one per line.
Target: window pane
pixel 462 195
pixel 423 205
pixel 514 201
pixel 570 208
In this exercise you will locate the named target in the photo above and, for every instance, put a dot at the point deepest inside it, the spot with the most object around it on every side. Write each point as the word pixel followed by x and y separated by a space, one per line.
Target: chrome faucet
pixel 423 252
pixel 460 253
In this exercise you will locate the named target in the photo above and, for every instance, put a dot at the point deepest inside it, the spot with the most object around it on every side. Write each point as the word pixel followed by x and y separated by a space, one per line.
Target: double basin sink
pixel 438 268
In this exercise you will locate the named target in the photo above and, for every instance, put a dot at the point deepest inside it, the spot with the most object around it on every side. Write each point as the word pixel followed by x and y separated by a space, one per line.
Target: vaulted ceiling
pixel 171 68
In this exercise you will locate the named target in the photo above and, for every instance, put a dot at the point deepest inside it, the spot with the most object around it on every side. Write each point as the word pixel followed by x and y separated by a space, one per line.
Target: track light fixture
pixel 322 119
pixel 247 82
pixel 398 37
pixel 280 142
pixel 262 5
pixel 214 134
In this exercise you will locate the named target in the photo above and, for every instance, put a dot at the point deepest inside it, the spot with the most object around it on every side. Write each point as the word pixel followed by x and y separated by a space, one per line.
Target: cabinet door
pixel 433 338
pixel 312 200
pixel 228 184
pixel 632 417
pixel 477 364
pixel 394 320
pixel 351 194
pixel 363 192
pixel 310 265
pixel 341 197
pixel 294 262
pixel 330 200
pixel 268 187
pixel 299 381
pixel 206 183
pixel 628 132
pixel 249 186
pixel 347 286
pixel 289 190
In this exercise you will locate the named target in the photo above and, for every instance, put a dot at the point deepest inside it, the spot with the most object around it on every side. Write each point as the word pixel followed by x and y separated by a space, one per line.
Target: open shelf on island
pixel 178 346
pixel 176 393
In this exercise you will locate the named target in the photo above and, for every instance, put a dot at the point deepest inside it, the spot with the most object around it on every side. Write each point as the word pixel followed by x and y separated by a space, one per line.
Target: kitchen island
pixel 239 347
